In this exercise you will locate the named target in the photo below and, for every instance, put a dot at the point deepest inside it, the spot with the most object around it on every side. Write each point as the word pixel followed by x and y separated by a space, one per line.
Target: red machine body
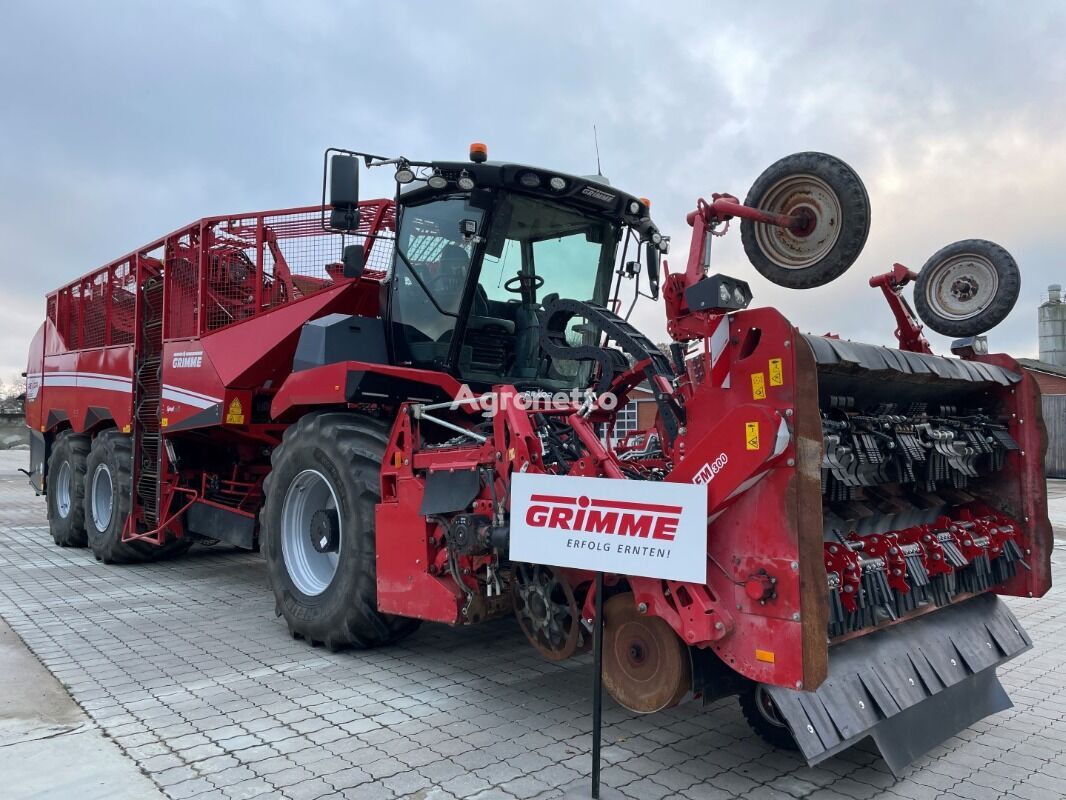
pixel 850 488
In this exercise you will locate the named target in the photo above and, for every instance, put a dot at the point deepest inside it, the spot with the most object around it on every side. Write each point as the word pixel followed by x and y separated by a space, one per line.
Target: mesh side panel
pixel 53 309
pixel 94 310
pixel 123 303
pixel 74 334
pixel 181 291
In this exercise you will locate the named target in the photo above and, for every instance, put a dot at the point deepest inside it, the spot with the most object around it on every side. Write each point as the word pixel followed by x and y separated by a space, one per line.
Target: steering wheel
pixel 520 282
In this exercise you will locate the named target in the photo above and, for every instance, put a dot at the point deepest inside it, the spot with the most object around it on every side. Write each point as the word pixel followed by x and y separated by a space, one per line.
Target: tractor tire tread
pixel 69 532
pixel 359 442
pixel 1010 284
pixel 117 449
pixel 854 203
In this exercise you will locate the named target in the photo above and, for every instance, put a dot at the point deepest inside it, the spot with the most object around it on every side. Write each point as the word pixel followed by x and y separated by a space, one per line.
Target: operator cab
pixel 483 247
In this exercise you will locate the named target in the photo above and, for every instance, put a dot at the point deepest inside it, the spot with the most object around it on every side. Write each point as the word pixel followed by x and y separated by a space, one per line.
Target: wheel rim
pixel 962 287
pixel 547 612
pixel 646 666
pixel 767 708
pixel 310 570
pixel 804 195
pixel 102 493
pixel 63 489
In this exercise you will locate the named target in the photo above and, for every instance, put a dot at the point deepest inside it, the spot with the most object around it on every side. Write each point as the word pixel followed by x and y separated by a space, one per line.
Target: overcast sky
pixel 123 123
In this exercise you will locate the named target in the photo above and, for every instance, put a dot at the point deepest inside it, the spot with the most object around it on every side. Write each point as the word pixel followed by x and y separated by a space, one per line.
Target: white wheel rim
pixel 962 287
pixel 311 571
pixel 799 194
pixel 767 708
pixel 63 490
pixel 101 497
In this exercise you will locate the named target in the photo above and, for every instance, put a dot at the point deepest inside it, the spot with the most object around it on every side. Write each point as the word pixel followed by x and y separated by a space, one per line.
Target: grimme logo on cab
pixel 609 517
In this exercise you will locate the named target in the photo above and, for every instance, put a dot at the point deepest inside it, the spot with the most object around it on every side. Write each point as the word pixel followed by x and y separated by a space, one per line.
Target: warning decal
pixel 235 413
pixel 776 378
pixel 758 386
pixel 751 435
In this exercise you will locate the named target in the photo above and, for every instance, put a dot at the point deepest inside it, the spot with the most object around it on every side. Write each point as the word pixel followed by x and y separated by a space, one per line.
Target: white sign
pixel 648 528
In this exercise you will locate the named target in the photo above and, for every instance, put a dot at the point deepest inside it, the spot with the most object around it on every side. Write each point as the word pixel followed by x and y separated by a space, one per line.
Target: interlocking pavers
pixel 185 665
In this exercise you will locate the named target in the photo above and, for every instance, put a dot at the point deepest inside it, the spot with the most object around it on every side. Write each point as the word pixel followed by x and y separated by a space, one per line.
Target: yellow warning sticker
pixel 764 655
pixel 776 378
pixel 235 413
pixel 125 428
pixel 751 435
pixel 163 422
pixel 758 386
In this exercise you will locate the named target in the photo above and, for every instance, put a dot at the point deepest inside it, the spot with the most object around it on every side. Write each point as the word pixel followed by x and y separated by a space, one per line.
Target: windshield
pixel 532 252
pixel 536 251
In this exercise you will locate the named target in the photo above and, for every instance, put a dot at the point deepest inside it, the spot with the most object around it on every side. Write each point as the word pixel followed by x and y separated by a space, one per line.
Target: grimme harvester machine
pixel 314 381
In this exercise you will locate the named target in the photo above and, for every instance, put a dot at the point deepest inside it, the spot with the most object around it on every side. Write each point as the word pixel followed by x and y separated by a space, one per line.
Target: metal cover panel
pixel 900 687
pixel 873 358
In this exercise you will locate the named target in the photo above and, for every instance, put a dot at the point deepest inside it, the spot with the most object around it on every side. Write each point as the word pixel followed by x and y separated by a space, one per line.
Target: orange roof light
pixel 646 201
pixel 479 152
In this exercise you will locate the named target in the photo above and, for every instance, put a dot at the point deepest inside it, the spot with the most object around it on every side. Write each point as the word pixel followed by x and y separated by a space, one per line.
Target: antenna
pixel 596 140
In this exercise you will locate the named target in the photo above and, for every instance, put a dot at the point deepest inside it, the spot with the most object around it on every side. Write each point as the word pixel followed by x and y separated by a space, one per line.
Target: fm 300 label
pixel 710 469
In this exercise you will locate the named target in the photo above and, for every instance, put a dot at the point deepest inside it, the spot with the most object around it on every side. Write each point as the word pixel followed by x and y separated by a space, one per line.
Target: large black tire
pixel 834 199
pixel 967 288
pixel 66 489
pixel 336 456
pixel 762 716
pixel 108 484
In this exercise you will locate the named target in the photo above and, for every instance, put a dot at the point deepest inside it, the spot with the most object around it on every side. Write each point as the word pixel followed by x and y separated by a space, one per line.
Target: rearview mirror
pixel 651 266
pixel 353 261
pixel 344 193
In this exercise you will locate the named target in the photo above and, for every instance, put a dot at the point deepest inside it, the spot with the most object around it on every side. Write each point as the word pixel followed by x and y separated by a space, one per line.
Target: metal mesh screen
pixel 220 271
pixel 94 303
pixel 180 273
pixel 123 303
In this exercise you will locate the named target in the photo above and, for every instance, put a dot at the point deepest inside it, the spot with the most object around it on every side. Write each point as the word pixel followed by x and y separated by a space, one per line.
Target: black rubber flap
pixel 449 491
pixel 908 687
pixel 846 356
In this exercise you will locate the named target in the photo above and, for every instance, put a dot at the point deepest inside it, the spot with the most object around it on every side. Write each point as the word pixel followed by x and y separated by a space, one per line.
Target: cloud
pixel 120 126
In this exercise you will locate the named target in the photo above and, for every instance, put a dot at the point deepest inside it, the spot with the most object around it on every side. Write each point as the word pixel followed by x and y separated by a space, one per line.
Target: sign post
pixel 652 529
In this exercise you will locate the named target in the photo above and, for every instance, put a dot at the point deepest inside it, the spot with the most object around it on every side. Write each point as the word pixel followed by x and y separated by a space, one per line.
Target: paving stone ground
pixel 185 666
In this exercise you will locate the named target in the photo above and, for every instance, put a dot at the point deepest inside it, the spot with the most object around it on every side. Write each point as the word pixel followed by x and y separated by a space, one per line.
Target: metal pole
pixel 597 687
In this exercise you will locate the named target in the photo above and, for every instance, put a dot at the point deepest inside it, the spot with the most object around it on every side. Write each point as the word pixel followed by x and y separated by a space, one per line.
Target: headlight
pixel 634 207
pixel 465 182
pixel 405 175
pixel 530 180
pixel 557 183
pixel 437 181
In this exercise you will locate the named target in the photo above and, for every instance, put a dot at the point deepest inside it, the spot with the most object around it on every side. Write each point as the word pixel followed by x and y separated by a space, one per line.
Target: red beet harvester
pixel 312 381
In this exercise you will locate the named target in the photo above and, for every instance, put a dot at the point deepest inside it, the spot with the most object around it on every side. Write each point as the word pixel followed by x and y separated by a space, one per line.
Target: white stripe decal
pixel 114 383
pixel 188 399
pixel 84 382
pixel 191 393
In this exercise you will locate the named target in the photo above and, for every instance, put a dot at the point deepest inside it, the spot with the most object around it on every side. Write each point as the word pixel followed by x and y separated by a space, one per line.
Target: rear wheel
pixel 108 484
pixel 967 288
pixel 318 524
pixel 834 205
pixel 66 489
pixel 764 718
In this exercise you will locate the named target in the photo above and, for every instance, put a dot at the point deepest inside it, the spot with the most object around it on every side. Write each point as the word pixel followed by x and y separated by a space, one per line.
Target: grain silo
pixel 1052 327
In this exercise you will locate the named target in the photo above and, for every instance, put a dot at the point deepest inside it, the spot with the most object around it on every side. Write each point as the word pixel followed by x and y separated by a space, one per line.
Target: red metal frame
pixel 234 301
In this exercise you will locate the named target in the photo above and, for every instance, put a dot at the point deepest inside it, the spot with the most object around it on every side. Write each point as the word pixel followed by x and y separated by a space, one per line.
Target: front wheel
pixel 318 525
